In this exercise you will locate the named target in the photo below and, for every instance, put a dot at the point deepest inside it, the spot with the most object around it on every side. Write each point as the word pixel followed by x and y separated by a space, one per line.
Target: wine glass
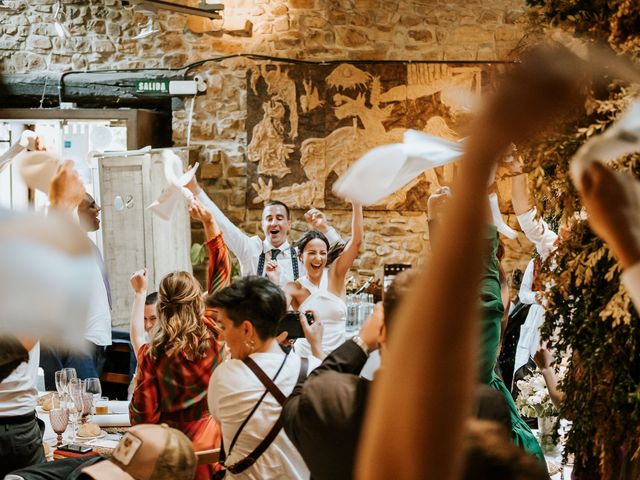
pixel 61 381
pixel 92 385
pixel 59 417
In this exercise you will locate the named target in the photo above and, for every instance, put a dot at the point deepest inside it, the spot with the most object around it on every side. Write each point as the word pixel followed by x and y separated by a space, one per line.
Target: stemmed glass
pixel 92 385
pixel 74 387
pixel 70 373
pixel 87 406
pixel 61 382
pixel 59 417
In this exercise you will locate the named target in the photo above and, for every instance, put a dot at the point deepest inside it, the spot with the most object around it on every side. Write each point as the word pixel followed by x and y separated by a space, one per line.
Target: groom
pixel 252 252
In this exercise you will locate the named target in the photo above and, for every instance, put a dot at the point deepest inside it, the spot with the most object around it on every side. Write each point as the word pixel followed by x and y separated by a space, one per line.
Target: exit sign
pixel 152 86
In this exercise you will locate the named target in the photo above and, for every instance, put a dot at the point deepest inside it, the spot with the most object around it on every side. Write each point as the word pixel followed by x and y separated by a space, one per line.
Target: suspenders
pixel 294 263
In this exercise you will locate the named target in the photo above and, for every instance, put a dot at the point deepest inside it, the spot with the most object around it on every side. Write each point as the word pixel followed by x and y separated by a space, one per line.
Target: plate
pixel 100 435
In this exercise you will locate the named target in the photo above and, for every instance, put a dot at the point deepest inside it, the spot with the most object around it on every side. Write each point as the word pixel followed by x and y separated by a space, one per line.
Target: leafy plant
pixel 589 316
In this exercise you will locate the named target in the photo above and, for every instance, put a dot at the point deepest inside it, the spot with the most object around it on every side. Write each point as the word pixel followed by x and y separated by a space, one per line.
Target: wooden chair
pixel 206 457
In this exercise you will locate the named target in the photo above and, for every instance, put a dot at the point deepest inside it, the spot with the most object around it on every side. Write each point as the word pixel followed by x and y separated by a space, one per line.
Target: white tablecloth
pixel 118 416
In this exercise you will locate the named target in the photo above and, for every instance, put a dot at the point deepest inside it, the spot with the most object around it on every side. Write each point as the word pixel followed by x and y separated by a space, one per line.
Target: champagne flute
pixel 59 417
pixel 61 382
pixel 74 387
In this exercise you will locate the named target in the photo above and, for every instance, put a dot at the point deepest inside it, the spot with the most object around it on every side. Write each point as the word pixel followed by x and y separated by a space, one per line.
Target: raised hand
pixel 198 212
pixel 314 334
pixel 543 359
pixel 372 328
pixel 317 220
pixel 66 190
pixel 272 270
pixel 139 281
pixel 612 200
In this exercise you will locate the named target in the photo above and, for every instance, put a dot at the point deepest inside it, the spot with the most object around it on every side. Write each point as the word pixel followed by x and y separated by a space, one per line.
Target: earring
pixel 251 345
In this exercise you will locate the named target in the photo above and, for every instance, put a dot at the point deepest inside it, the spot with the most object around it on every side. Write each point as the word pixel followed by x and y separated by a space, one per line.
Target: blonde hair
pixel 180 327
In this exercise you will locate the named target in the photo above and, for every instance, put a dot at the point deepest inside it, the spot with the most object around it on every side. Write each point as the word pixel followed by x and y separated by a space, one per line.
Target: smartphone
pixel 290 323
pixel 75 448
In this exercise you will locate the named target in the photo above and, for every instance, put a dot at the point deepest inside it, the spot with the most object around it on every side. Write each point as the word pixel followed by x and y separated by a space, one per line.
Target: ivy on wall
pixel 589 316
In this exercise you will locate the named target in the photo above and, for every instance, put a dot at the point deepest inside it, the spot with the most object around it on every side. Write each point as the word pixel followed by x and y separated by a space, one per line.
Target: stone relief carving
pixel 345 111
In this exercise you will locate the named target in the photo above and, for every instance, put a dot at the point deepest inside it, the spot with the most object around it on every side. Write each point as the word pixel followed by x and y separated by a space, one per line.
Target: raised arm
pixel 526 294
pixel 318 221
pixel 343 263
pixel 435 334
pixel 140 285
pixel 519 189
pixel 219 269
pixel 543 360
pixel 237 241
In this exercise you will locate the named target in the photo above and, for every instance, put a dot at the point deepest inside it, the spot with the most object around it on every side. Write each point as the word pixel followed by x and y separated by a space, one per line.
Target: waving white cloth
pixel 27 141
pixel 388 168
pixel 619 139
pixel 177 180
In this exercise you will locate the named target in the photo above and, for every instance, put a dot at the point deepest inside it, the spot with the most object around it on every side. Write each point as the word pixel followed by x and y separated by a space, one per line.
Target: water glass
pixel 87 406
pixel 59 417
pixel 102 406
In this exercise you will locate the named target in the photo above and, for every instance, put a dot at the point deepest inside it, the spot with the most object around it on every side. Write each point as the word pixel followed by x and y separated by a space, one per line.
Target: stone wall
pixel 101 37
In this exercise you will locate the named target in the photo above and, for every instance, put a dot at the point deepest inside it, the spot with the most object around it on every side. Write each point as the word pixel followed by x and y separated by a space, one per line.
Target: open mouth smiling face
pixel 314 256
pixel 275 224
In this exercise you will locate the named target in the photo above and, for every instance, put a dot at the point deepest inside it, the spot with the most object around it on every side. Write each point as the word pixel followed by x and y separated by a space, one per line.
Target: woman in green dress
pixel 492 311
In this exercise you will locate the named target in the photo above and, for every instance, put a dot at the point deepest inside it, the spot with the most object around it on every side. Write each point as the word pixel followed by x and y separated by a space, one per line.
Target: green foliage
pixel 589 316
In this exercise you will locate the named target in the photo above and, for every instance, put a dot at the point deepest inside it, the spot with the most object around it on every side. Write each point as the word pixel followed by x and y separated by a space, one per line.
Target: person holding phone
pixel 306 293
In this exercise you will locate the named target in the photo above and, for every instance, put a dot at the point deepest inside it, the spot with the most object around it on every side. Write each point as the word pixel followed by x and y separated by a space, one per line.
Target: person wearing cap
pixel 145 452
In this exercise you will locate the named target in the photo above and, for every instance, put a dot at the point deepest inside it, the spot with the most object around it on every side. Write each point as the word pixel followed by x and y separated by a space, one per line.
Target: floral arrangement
pixel 533 400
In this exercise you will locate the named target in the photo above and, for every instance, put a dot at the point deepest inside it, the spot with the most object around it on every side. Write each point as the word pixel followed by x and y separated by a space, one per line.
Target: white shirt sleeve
pixel 240 244
pixel 538 232
pixel 631 280
pixel 332 236
pixel 526 294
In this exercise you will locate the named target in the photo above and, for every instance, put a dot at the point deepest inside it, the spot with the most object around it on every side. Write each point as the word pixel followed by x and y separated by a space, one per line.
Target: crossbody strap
pixel 271 387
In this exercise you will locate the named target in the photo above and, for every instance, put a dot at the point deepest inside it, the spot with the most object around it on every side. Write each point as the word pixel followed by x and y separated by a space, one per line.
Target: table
pixel 103 446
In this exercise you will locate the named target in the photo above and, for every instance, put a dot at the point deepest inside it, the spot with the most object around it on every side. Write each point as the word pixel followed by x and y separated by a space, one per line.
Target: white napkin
pixel 44 292
pixel 387 168
pixel 27 141
pixel 621 138
pixel 177 180
pixel 112 420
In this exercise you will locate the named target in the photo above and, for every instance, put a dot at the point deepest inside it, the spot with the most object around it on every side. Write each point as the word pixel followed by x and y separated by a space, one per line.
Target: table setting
pixel 77 413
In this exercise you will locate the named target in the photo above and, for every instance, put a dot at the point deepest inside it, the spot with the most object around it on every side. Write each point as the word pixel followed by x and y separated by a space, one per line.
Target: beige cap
pixel 38 169
pixel 148 452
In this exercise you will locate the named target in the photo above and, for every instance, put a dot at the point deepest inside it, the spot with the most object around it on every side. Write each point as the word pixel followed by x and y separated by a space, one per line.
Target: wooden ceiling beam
pixel 210 12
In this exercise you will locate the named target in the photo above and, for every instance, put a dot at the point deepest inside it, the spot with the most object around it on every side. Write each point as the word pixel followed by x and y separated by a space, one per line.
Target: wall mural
pixel 308 123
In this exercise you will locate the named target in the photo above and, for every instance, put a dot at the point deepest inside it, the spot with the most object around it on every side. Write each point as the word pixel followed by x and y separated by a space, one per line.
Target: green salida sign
pixel 152 86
